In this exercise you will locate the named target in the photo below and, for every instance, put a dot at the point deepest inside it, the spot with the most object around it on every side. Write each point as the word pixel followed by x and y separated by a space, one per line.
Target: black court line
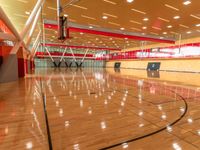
pixel 46 117
pixel 161 70
pixel 152 133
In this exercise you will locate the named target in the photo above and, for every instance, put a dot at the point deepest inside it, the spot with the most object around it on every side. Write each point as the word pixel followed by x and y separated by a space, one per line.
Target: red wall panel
pixel 21 68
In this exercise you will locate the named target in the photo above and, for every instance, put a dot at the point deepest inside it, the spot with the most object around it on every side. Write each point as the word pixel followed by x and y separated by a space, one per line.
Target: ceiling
pixel 120 15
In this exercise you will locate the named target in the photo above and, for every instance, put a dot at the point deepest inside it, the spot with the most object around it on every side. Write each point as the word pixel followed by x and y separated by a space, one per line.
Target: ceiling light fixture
pixel 129 1
pixel 84 16
pixel 19 15
pixel 197 25
pixel 52 8
pixel 189 32
pixel 176 17
pixel 169 26
pixel 174 32
pixel 184 26
pixel 132 21
pixel 110 15
pixel 111 2
pixel 196 17
pixel 105 17
pixel 144 28
pixel 163 19
pixel 156 28
pixel 138 11
pixel 145 19
pixel 122 29
pixel 136 29
pixel 72 20
pixel 81 7
pixel 186 2
pixel 27 12
pixel 171 7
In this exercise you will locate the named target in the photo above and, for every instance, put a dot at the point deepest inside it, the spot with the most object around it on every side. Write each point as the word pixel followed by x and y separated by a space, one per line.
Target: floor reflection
pixel 88 103
pixel 153 74
pixel 95 108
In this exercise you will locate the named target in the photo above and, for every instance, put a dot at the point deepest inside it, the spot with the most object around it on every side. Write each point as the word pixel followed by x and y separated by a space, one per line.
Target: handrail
pixel 36 48
pixel 31 19
pixel 36 41
pixel 33 27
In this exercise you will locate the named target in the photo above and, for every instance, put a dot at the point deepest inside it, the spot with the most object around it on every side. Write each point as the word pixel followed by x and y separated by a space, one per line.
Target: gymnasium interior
pixel 99 75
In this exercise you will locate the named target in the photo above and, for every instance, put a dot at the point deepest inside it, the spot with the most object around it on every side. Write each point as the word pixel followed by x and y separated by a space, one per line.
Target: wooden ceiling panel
pixel 120 15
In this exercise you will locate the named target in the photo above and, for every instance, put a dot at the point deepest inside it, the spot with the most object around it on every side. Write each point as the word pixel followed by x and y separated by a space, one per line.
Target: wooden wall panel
pixel 184 78
pixel 188 65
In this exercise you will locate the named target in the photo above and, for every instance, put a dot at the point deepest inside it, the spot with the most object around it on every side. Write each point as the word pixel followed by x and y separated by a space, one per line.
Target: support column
pixel 21 63
pixel 1 57
pixel 9 66
pixel 55 65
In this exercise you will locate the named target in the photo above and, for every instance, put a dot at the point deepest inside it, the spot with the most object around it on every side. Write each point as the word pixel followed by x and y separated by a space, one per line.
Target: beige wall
pixel 189 65
pixel 181 78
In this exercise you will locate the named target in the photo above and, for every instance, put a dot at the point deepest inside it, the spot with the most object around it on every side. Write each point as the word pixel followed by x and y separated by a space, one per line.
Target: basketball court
pixel 99 74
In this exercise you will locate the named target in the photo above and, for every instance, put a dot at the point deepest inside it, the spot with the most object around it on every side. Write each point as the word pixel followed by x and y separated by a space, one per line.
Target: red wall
pixel 21 63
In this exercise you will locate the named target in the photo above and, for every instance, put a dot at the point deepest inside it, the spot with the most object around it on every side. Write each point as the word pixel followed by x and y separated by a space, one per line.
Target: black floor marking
pixel 92 93
pixel 152 133
pixel 164 70
pixel 46 118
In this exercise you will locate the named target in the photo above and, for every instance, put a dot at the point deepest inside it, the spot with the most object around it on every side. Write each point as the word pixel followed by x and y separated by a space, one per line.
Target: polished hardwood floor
pixel 96 108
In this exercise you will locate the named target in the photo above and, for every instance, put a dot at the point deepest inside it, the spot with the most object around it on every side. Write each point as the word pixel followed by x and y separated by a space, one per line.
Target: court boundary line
pixel 46 117
pixel 182 71
pixel 155 132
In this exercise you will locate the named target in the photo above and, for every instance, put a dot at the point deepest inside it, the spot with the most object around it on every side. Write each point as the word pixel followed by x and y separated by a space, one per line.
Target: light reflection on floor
pixel 97 108
pixel 107 109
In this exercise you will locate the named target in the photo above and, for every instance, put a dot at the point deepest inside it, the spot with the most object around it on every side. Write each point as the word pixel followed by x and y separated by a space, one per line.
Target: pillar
pixel 8 67
pixel 21 63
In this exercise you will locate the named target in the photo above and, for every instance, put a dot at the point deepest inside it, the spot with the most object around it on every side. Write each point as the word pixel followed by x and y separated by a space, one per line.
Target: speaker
pixel 117 65
pixel 62 31
pixel 153 66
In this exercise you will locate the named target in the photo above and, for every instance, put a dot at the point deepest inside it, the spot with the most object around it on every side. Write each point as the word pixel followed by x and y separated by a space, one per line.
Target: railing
pixel 191 50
